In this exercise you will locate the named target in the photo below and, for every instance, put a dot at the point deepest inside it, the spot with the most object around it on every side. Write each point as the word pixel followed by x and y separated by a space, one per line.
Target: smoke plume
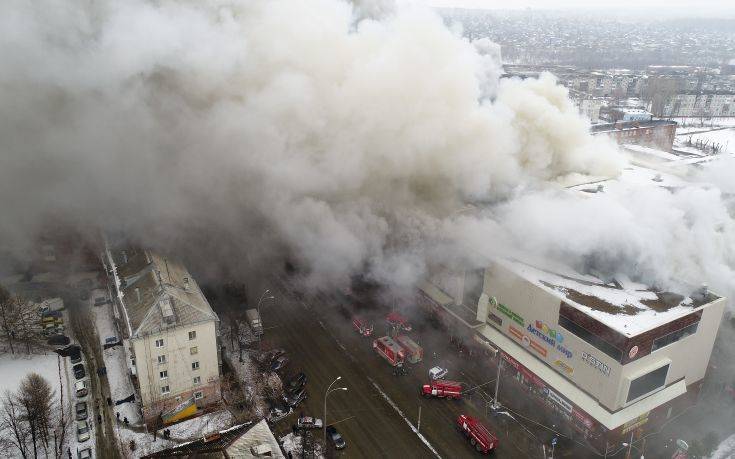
pixel 346 137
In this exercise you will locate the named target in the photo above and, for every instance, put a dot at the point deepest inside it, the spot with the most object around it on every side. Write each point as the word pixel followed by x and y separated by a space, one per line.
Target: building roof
pixel 240 441
pixel 623 125
pixel 628 307
pixel 158 293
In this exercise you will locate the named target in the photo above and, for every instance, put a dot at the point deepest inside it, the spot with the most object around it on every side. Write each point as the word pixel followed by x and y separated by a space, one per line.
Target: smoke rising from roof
pixel 344 136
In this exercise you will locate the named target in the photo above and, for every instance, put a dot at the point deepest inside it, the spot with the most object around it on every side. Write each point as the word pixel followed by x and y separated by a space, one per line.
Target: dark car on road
pixel 81 410
pixel 336 438
pixel 53 314
pixel 79 372
pixel 58 340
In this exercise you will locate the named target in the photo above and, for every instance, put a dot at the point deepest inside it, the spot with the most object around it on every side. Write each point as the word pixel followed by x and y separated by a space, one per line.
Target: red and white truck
pixel 390 350
pixel 361 327
pixel 414 352
pixel 478 435
pixel 441 388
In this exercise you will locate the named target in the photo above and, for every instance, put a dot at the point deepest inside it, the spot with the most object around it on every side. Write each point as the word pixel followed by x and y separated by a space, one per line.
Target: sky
pixel 708 7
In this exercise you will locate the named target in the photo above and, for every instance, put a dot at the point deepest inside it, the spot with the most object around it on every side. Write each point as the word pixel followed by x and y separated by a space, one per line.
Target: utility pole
pixel 496 405
pixel 418 424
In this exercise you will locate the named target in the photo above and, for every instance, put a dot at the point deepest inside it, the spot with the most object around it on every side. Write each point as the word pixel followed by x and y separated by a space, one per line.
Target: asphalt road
pixel 321 342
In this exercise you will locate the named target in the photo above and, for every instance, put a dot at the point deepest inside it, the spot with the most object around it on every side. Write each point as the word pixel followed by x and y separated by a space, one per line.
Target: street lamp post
pixel 263 297
pixel 326 394
pixel 495 404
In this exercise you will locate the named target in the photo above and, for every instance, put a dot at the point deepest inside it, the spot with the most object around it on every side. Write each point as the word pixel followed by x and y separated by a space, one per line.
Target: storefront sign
pixel 582 417
pixel 554 397
pixel 593 362
pixel 635 423
pixel 563 367
pixel 526 341
pixel 550 337
pixel 503 309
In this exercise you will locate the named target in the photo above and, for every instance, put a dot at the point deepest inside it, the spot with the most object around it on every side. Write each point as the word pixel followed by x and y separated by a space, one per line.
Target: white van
pixel 438 373
pixel 81 388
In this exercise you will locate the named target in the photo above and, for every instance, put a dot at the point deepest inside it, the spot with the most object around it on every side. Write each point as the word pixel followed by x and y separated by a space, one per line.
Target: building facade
pixel 659 134
pixel 171 335
pixel 615 360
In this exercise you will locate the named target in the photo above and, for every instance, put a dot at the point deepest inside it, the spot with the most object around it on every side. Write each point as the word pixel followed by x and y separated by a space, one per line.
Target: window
pixel 159 343
pixel 194 365
pixel 161 359
pixel 165 389
pixel 192 335
pixel 592 339
pixel 197 380
pixel 675 336
pixel 193 350
pixel 198 395
pixel 647 383
pixel 163 374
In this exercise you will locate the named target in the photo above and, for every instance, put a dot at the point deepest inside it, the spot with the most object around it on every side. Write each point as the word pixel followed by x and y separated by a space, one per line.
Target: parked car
pixel 438 373
pixel 82 431
pixel 79 372
pixel 308 422
pixel 279 363
pixel 100 301
pixel 298 379
pixel 336 438
pixel 76 357
pixel 86 453
pixel 294 386
pixel 294 400
pixel 81 388
pixel 111 340
pixel 50 313
pixel 81 410
pixel 58 340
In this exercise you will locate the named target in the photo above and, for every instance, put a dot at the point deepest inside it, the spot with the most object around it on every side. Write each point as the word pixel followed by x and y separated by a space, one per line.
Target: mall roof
pixel 628 307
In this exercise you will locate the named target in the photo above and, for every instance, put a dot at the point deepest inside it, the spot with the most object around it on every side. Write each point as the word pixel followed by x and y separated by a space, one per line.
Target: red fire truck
pixel 441 388
pixel 362 327
pixel 396 320
pixel 390 350
pixel 478 435
pixel 414 352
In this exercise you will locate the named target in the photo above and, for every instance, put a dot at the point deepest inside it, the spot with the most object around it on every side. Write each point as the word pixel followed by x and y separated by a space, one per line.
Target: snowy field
pixel 15 368
pixel 200 425
pixel 724 137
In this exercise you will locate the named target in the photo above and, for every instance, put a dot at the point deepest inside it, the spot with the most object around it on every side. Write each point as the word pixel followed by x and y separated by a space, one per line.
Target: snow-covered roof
pixel 628 307
pixel 158 293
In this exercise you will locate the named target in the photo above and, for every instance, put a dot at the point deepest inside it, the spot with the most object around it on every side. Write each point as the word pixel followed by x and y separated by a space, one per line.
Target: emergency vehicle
pixel 397 321
pixel 361 327
pixel 477 434
pixel 442 388
pixel 414 352
pixel 390 350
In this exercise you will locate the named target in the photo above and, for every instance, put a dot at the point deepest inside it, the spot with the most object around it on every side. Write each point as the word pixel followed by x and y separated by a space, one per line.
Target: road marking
pixel 400 413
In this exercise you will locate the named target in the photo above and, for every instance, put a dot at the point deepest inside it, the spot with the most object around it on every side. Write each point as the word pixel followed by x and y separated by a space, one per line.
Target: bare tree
pixel 36 398
pixel 19 321
pixel 11 425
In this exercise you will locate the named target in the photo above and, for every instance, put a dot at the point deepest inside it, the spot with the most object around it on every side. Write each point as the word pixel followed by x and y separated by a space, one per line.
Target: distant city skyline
pixel 679 7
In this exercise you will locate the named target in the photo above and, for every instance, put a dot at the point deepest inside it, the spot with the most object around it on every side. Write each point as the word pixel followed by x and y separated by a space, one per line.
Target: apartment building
pixel 653 133
pixel 170 335
pixel 705 103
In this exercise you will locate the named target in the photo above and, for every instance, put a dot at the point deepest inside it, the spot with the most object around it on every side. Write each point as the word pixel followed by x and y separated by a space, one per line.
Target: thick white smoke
pixel 346 136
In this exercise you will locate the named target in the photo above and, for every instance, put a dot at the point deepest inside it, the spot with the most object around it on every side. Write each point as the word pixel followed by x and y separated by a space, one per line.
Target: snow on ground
pixel 726 449
pixel 699 123
pixel 15 367
pixel 723 137
pixel 117 369
pixel 200 425
pixel 144 443
pixel 245 370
